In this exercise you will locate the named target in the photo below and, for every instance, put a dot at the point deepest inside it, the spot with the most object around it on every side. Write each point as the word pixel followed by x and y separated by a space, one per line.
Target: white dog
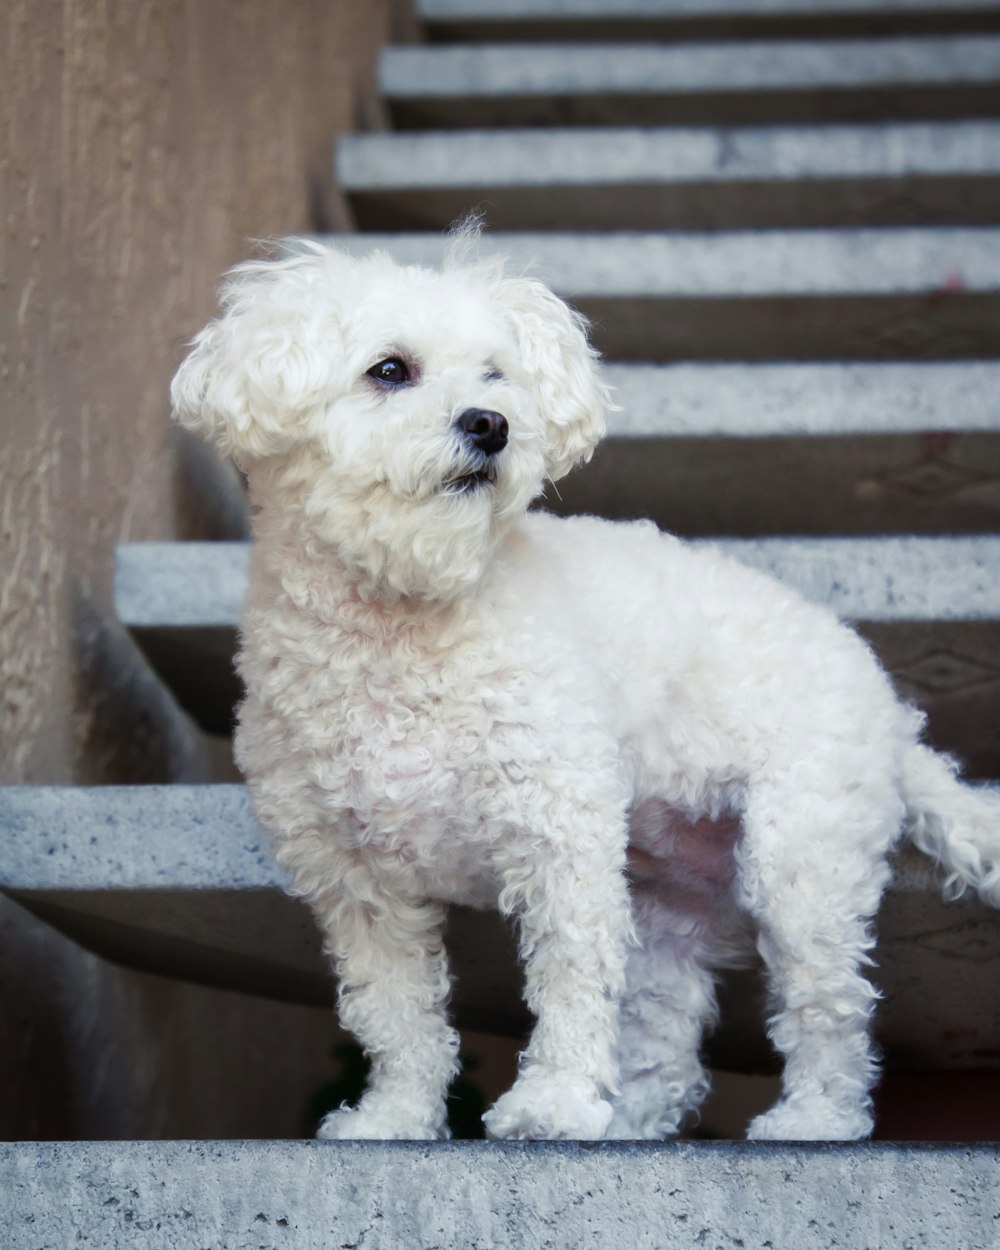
pixel 651 757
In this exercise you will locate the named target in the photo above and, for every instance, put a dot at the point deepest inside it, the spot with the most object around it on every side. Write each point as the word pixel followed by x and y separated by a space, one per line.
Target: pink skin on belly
pixel 676 852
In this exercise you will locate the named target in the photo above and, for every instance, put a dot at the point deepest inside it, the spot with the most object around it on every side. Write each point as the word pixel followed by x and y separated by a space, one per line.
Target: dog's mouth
pixel 468 483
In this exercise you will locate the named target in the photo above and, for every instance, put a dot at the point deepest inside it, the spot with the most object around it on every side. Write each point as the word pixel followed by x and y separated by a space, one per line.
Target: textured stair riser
pixel 923 326
pixel 887 201
pixel 647 20
pixel 931 607
pixel 730 108
pixel 948 668
pixel 860 482
pixel 801 449
pixel 180 881
pixel 921 484
pixel 940 1010
pixel 726 449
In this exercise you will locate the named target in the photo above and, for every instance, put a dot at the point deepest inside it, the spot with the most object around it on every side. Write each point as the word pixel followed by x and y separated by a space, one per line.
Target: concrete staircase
pixel 784 221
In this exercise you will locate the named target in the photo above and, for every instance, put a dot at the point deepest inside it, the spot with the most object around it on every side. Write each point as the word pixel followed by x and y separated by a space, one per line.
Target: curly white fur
pixel 652 758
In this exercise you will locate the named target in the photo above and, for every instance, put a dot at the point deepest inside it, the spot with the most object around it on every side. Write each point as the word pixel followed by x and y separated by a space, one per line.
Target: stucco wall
pixel 142 144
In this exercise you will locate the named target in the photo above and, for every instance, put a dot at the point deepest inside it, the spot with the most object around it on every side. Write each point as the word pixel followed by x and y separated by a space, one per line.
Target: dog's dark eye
pixel 493 374
pixel 390 372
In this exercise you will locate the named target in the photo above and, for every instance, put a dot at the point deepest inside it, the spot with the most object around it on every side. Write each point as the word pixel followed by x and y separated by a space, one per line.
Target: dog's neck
pixel 401 562
pixel 289 560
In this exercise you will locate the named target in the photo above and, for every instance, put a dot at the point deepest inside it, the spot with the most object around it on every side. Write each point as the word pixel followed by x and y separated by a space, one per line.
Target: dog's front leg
pixel 392 991
pixel 573 911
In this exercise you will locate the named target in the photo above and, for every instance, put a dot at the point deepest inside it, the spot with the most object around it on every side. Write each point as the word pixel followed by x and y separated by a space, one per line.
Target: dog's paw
pixel 810 1119
pixel 625 1127
pixel 549 1107
pixel 371 1124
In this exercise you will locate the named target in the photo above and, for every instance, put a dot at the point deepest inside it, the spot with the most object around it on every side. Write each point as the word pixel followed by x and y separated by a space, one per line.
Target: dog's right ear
pixel 255 374
pixel 564 369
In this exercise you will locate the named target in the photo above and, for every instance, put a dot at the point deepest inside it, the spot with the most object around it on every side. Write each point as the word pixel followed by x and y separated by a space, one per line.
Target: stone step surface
pixel 930 606
pixel 488 85
pixel 696 19
pixel 681 179
pixel 479 1195
pixel 887 293
pixel 741 449
pixel 178 880
pixel 897 579
pixel 765 449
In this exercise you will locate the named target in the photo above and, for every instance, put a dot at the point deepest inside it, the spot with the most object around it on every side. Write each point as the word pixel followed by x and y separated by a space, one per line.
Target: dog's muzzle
pixel 485 433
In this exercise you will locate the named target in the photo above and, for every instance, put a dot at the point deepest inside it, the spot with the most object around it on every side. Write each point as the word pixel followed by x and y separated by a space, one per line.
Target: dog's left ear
pixel 564 369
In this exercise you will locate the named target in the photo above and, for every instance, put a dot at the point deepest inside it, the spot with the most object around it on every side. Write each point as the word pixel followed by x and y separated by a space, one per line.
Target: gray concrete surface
pixel 175 837
pixel 497 69
pixel 179 880
pixel 843 399
pixel 746 295
pixel 627 156
pixel 720 82
pixel 683 178
pixel 873 579
pixel 627 264
pixel 481 1196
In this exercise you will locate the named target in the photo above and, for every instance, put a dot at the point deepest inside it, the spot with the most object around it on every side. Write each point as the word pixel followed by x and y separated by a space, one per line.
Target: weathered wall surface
pixel 141 146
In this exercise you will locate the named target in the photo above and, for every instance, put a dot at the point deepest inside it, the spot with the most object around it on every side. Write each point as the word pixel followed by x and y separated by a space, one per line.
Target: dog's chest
pixel 410 747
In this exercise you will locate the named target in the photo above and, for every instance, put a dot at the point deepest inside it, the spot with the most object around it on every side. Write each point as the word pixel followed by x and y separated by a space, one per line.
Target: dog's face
pixel 402 416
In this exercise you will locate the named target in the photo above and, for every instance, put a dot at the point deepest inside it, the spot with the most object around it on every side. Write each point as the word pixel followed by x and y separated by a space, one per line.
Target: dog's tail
pixel 956 824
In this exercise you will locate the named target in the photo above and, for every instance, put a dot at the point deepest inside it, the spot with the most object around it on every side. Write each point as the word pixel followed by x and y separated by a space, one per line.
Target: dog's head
pixel 402 415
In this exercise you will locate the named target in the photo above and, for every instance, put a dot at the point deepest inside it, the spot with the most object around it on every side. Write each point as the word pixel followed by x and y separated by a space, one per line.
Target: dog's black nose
pixel 486 430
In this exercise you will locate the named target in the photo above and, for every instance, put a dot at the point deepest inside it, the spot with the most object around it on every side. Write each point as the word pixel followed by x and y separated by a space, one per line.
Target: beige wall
pixel 142 143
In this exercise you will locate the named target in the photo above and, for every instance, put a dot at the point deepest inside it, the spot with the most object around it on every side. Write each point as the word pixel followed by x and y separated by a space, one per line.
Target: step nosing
pixel 82 839
pixel 730 264
pixel 461 1194
pixel 834 400
pixel 884 578
pixel 485 70
pixel 666 156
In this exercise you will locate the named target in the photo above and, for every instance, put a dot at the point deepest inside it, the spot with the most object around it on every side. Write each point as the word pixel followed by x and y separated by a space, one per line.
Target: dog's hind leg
pixel 669 1002
pixel 812 872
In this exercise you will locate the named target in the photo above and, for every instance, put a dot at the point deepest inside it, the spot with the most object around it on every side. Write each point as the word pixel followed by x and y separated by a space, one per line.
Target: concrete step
pixel 681 179
pixel 178 880
pixel 931 606
pixel 886 293
pixel 756 449
pixel 480 1195
pixel 486 85
pixel 448 20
